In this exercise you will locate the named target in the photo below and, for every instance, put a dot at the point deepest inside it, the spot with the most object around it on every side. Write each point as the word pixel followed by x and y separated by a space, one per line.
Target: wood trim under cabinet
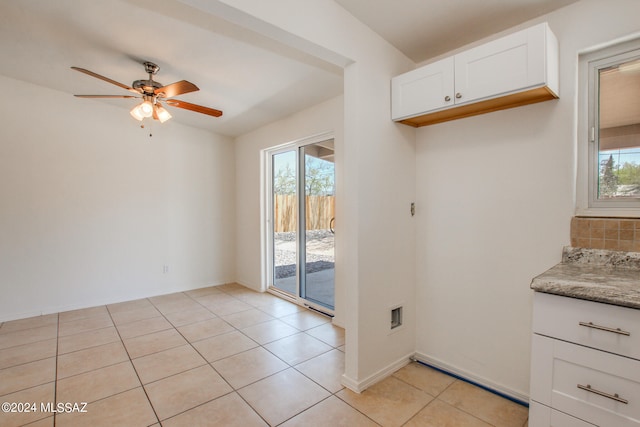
pixel 519 99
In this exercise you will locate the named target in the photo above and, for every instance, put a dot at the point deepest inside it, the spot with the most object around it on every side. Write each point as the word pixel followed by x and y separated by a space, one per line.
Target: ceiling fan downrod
pixel 151 68
pixel 148 87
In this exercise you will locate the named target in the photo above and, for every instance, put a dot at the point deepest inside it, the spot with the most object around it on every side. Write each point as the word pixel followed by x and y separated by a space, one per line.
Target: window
pixel 613 133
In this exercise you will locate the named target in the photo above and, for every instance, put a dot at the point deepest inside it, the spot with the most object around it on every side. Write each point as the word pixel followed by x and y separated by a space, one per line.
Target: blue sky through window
pixel 622 156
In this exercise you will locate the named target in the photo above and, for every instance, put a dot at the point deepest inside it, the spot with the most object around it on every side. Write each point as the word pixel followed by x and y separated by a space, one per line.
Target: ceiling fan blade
pixel 106 79
pixel 194 107
pixel 175 89
pixel 106 96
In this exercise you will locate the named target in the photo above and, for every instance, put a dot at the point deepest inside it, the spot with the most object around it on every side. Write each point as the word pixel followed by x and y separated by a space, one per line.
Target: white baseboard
pixel 466 375
pixel 88 303
pixel 337 321
pixel 247 285
pixel 360 386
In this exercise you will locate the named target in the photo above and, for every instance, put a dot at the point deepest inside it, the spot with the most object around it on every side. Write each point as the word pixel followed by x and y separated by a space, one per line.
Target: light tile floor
pixel 219 356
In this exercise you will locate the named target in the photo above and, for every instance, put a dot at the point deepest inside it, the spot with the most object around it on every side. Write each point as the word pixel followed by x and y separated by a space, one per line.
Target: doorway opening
pixel 301 222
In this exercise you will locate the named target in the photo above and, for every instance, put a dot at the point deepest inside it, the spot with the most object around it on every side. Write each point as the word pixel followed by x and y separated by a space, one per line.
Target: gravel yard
pixel 320 254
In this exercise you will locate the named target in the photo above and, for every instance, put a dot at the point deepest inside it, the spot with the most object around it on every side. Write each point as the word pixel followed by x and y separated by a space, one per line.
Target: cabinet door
pixel 543 416
pixel 425 89
pixel 512 63
pixel 596 386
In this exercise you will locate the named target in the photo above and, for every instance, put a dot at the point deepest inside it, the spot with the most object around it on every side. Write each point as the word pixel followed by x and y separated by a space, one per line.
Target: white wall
pixel 378 184
pixel 325 117
pixel 495 196
pixel 92 208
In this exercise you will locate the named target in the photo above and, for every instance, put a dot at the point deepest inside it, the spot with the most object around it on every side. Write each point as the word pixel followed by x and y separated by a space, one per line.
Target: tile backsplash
pixel 617 234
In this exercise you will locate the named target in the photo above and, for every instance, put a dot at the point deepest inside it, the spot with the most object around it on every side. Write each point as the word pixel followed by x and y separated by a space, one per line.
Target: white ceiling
pixel 252 79
pixel 423 29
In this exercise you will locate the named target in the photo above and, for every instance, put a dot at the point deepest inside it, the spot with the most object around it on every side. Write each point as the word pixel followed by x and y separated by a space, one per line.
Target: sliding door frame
pixel 267 220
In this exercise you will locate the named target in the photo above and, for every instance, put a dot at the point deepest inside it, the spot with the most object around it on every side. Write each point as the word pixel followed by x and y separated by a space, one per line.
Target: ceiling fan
pixel 153 94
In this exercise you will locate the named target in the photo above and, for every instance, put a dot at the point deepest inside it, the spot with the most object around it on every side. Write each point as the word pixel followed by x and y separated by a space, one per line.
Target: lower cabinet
pixel 576 385
pixel 541 415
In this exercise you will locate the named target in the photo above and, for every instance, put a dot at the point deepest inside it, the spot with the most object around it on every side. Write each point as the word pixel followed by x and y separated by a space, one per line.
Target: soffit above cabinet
pixel 515 70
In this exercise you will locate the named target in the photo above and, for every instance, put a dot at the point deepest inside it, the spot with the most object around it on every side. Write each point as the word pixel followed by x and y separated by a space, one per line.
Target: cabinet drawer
pixel 593 385
pixel 543 416
pixel 581 322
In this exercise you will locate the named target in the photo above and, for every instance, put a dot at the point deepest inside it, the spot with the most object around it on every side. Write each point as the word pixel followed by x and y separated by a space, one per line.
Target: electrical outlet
pixel 165 269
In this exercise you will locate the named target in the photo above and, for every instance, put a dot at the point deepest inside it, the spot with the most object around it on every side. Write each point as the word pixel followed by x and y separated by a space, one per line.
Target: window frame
pixel 590 63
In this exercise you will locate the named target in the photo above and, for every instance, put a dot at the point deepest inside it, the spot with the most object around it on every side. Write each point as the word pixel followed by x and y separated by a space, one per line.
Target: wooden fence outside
pixel 320 210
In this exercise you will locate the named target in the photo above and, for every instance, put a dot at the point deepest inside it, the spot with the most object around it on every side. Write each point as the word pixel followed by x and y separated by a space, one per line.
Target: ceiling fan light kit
pixel 142 110
pixel 152 93
pixel 162 114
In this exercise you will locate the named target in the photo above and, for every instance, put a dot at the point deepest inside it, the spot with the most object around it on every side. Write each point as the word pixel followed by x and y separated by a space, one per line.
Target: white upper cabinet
pixel 518 69
pixel 512 63
pixel 427 88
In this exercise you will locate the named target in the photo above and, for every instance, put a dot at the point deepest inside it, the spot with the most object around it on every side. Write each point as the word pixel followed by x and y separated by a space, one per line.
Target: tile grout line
pixel 34 361
pixel 457 380
pixel 31 361
pixel 175 328
pixel 133 366
pixel 259 345
pixel 317 403
pixel 284 361
pixel 294 367
pixel 233 389
pixel 30 342
pixel 419 410
pixel 55 378
pixel 417 388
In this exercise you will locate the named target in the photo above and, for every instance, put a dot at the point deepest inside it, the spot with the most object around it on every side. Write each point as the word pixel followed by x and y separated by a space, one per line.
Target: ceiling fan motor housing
pixel 147 86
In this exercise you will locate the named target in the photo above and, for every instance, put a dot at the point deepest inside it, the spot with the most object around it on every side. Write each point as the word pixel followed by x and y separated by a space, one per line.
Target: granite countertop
pixel 610 277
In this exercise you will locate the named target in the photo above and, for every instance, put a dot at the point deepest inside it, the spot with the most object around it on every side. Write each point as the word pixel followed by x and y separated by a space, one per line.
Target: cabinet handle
pixel 615 397
pixel 604 328
pixel 458 95
pixel 447 98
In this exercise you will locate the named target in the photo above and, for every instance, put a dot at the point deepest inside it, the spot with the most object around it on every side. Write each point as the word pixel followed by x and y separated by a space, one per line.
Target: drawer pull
pixel 603 394
pixel 604 328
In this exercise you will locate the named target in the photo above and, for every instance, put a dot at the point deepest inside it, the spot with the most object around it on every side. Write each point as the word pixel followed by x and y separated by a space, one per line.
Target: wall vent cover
pixel 396 317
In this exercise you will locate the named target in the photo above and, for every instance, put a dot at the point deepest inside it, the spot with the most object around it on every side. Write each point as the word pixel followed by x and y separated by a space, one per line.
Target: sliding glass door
pixel 317 221
pixel 285 221
pixel 302 217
